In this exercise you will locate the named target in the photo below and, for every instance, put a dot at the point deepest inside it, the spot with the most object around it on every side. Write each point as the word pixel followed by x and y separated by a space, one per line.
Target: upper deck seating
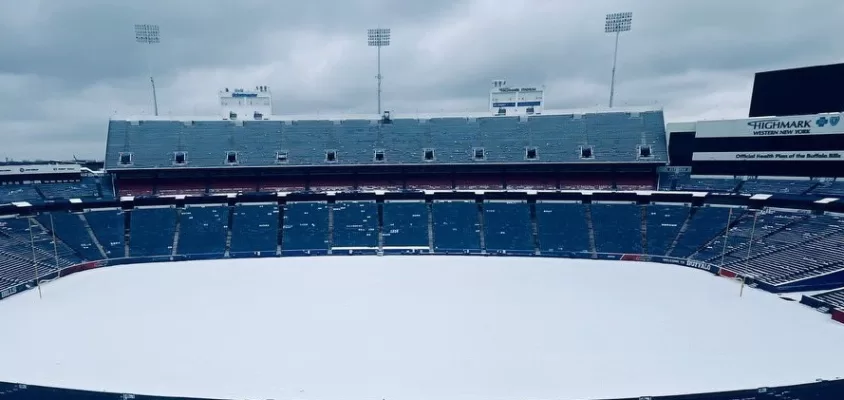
pixel 612 137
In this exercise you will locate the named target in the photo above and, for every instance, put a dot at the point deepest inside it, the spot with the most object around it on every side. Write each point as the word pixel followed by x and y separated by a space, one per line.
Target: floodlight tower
pixel 617 23
pixel 149 34
pixel 379 37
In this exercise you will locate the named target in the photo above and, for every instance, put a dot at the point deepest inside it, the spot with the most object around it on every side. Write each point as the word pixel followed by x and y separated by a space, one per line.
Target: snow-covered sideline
pixel 411 328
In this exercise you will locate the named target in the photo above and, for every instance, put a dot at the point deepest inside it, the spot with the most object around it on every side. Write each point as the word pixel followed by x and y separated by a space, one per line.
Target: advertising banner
pixel 821 124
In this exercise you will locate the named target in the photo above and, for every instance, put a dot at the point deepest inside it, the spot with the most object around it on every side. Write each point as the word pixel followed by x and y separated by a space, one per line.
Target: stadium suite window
pixel 428 155
pixel 180 158
pixel 125 159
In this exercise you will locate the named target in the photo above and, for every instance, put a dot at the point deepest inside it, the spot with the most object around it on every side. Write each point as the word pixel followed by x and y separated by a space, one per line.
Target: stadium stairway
pixel 91 235
pixel 534 229
pixel 481 227
pixel 177 233
pixel 590 227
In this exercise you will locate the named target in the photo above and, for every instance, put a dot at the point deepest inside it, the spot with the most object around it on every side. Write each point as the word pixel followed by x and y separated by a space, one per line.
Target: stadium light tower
pixel 378 37
pixel 149 34
pixel 617 23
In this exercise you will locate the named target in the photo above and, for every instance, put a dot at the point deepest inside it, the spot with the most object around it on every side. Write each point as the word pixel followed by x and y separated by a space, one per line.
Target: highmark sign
pixel 766 127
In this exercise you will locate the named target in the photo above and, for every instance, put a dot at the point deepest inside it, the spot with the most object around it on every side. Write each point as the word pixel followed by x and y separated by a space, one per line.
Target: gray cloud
pixel 71 65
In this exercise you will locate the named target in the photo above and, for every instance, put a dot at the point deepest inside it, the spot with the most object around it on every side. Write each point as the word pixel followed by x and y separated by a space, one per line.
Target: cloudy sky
pixel 66 66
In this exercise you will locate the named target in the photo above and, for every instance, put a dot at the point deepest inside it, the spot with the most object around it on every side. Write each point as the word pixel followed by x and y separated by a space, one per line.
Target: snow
pixel 411 328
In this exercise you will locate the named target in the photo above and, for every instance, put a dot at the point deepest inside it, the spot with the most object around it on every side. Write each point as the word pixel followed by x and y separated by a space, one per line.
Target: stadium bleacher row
pixel 672 181
pixel 87 187
pixel 539 138
pixel 710 234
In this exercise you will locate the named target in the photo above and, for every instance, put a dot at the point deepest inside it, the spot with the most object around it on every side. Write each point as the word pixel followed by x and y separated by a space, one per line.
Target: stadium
pixel 519 252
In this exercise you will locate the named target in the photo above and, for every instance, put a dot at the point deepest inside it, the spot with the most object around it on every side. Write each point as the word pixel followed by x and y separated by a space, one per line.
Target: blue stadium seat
pixel 456 226
pixel 561 228
pixel 254 230
pixel 108 226
pixel 777 186
pixel 405 225
pixel 13 193
pixel 704 224
pixel 203 229
pixel 835 188
pixel 305 229
pixel 834 298
pixel 85 189
pixel 614 136
pixel 664 224
pixel 507 227
pixel 18 246
pixel 153 230
pixel 355 225
pixel 618 228
pixel 71 229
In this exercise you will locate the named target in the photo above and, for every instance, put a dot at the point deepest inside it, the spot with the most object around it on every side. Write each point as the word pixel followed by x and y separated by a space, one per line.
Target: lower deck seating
pixel 561 228
pixel 254 230
pixel 618 228
pixel 664 224
pixel 70 228
pixel 834 298
pixel 305 228
pixel 456 226
pixel 110 230
pixel 355 224
pixel 704 224
pixel 203 230
pixel 405 224
pixel 152 231
pixel 507 227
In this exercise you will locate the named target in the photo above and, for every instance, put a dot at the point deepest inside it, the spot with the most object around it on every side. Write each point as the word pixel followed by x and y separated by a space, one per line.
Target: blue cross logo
pixel 821 122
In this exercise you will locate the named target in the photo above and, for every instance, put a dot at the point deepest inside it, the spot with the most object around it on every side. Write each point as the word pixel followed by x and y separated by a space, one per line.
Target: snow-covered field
pixel 411 328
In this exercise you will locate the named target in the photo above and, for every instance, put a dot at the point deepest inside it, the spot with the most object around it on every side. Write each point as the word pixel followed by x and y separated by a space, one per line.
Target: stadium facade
pixel 742 199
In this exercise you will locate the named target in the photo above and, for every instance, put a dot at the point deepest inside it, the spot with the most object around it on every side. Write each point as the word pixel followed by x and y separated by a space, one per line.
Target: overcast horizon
pixel 67 66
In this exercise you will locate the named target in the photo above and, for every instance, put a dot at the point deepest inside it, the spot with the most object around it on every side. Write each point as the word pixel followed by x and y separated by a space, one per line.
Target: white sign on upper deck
pixel 39 169
pixel 818 124
pixel 506 100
